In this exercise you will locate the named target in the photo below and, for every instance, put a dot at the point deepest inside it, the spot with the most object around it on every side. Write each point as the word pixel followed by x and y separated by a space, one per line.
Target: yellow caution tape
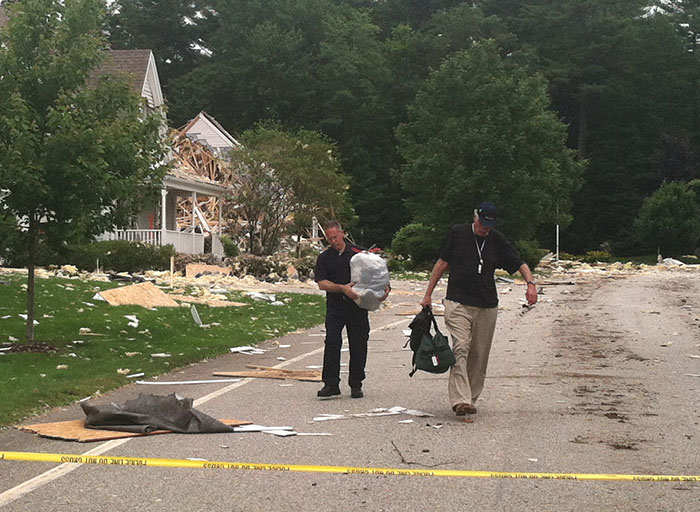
pixel 186 463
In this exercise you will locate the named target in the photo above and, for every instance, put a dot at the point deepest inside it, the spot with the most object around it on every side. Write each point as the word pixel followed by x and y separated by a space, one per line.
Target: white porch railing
pixel 146 236
pixel 189 243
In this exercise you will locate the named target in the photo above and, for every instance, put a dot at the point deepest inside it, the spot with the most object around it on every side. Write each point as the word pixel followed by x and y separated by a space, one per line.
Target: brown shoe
pixel 463 409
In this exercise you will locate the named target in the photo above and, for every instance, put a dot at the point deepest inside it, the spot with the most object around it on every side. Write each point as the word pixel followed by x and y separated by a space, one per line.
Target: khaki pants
pixel 471 329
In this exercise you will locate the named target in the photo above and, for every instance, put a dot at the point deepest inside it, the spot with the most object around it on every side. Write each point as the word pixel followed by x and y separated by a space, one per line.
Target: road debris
pixel 248 350
pixel 187 382
pixel 195 315
pixel 266 372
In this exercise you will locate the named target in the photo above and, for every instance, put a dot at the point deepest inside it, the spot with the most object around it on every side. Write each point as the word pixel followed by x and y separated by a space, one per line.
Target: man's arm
pixel 531 293
pixel 330 286
pixel 438 270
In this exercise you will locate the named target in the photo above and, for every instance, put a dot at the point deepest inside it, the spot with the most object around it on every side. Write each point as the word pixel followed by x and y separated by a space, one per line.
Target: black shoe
pixel 356 393
pixel 327 391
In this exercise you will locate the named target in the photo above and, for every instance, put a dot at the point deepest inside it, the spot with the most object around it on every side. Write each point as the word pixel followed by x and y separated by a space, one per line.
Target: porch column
pixel 194 222
pixel 163 209
pixel 221 207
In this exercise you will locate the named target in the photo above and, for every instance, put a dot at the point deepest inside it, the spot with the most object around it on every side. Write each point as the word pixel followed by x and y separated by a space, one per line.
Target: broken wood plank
pixel 275 373
pixel 283 370
pixel 75 430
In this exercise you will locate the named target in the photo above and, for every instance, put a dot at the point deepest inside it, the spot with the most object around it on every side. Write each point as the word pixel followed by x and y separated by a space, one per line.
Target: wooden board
pixel 264 372
pixel 145 294
pixel 74 430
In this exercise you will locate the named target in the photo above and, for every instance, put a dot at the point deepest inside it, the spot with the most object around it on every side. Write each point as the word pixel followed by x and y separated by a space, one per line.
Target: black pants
pixel 346 314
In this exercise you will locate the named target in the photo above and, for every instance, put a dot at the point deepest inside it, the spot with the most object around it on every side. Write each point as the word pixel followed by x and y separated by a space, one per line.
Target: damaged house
pixel 189 214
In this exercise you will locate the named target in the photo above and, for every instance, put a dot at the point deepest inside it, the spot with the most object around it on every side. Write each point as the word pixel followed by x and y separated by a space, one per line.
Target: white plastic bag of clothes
pixel 371 277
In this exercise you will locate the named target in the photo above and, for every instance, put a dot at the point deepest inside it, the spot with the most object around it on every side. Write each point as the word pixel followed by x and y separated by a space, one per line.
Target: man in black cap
pixel 472 252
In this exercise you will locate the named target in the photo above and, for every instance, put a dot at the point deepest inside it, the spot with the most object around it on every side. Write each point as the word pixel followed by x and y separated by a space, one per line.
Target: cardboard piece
pixel 265 372
pixel 74 430
pixel 142 294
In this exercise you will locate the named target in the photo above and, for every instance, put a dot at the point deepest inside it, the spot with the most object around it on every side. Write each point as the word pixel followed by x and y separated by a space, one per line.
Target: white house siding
pixel 204 130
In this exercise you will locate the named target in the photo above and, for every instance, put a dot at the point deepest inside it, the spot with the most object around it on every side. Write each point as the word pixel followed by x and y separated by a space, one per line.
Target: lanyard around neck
pixel 479 249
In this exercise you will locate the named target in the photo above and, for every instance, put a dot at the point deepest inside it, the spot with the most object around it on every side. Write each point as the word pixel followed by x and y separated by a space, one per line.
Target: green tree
pixel 481 129
pixel 669 219
pixel 75 160
pixel 641 132
pixel 176 31
pixel 309 64
pixel 282 179
pixel 577 44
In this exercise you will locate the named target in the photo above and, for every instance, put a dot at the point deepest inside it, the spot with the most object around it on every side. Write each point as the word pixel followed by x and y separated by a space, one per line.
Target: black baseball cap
pixel 487 214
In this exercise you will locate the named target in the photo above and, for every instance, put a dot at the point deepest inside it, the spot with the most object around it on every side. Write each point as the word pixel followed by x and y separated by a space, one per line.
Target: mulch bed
pixel 30 347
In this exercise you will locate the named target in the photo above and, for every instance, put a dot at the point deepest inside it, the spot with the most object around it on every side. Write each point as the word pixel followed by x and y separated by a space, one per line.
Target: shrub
pixel 567 256
pixel 121 256
pixel 530 252
pixel 261 267
pixel 305 266
pixel 594 256
pixel 230 248
pixel 417 243
pixel 396 264
pixel 669 219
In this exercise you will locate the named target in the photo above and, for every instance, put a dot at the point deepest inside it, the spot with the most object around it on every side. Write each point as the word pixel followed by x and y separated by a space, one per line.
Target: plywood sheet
pixel 74 430
pixel 142 294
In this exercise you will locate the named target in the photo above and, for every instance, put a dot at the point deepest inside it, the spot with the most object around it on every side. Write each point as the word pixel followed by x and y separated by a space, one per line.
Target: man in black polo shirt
pixel 472 252
pixel 332 273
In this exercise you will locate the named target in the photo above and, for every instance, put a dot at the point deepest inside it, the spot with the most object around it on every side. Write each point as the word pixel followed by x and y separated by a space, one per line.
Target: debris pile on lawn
pixel 141 294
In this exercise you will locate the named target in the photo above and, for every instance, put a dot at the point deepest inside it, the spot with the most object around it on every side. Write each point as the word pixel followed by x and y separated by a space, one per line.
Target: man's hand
pixel 387 290
pixel 427 301
pixel 349 291
pixel 531 294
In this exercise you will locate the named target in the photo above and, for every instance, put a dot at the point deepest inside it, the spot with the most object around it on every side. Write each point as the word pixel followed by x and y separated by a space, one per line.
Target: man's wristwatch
pixel 531 282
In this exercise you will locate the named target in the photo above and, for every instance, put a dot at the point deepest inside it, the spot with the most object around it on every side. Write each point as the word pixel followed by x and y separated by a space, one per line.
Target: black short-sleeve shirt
pixel 335 267
pixel 465 284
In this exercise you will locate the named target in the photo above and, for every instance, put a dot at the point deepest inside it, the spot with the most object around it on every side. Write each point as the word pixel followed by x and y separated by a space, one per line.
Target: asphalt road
pixel 598 378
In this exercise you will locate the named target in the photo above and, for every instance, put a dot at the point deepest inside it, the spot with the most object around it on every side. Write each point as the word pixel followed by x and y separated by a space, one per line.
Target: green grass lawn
pixel 32 381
